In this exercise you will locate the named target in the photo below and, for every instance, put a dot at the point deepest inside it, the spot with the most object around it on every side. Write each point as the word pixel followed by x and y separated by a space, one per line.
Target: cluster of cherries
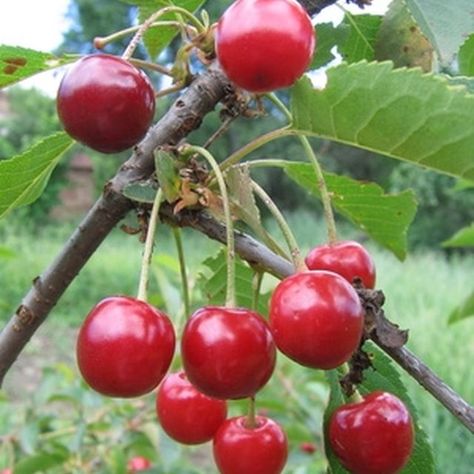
pixel 125 348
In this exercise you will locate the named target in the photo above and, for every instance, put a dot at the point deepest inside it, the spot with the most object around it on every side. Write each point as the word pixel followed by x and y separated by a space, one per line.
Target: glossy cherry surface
pixel 260 450
pixel 137 464
pixel 187 415
pixel 125 347
pixel 347 258
pixel 105 103
pixel 264 45
pixel 227 352
pixel 316 319
pixel 374 436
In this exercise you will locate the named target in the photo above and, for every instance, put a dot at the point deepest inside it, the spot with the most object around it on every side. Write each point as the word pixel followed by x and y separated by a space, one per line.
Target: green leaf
pixel 400 39
pixel 463 311
pixel 141 191
pixel 336 399
pixel 384 376
pixel 466 57
pixel 360 42
pixel 167 174
pixel 462 238
pixel 41 462
pixel 18 63
pixel 401 113
pixel 23 177
pixel 327 37
pixel 467 82
pixel 212 281
pixel 385 217
pixel 7 252
pixel 157 39
pixel 445 23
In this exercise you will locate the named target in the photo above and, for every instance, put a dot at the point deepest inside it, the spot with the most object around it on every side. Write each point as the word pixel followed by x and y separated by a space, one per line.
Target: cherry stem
pixel 169 90
pixel 148 250
pixel 182 269
pixel 321 182
pixel 290 239
pixel 230 294
pixel 101 41
pixel 355 397
pixel 256 287
pixel 149 22
pixel 251 421
pixel 152 66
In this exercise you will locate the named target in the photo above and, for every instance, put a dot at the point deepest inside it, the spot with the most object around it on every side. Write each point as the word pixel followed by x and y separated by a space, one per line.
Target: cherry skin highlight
pixel 347 258
pixel 316 319
pixel 263 45
pixel 374 436
pixel 185 414
pixel 227 353
pixel 125 347
pixel 105 103
pixel 239 449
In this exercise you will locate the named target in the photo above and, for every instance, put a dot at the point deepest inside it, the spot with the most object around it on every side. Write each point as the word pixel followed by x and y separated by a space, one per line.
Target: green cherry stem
pixel 148 250
pixel 356 396
pixel 152 66
pixel 256 287
pixel 230 295
pixel 290 239
pixel 251 421
pixel 182 269
pixel 321 182
pixel 149 21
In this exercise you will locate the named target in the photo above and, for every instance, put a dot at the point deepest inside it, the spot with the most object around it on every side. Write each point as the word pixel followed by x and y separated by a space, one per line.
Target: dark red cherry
pixel 185 414
pixel 239 449
pixel 374 436
pixel 227 352
pixel 347 258
pixel 316 319
pixel 264 45
pixel 125 347
pixel 105 103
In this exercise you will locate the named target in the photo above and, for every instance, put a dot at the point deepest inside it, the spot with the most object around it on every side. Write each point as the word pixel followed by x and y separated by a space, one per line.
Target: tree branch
pixel 316 6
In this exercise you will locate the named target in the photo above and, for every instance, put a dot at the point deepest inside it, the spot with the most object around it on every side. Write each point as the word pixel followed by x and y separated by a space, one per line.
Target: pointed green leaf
pixel 360 42
pixel 157 39
pixel 466 57
pixel 462 238
pixel 401 40
pixel 167 174
pixel 327 37
pixel 445 23
pixel 23 177
pixel 18 63
pixel 142 191
pixel 213 283
pixel 385 217
pixel 401 113
pixel 384 376
pixel 463 311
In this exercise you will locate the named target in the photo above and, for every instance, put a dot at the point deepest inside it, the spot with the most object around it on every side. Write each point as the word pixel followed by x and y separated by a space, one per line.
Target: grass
pixel 420 294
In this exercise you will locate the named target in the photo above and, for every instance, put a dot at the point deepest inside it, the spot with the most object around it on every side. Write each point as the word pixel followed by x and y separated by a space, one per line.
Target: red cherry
pixel 263 45
pixel 374 436
pixel 308 447
pixel 138 463
pixel 227 353
pixel 316 318
pixel 260 450
pixel 125 347
pixel 106 103
pixel 187 415
pixel 348 258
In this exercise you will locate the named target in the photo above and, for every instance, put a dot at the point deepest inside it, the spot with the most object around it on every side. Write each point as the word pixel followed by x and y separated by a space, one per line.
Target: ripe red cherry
pixel 263 45
pixel 260 450
pixel 106 103
pixel 374 436
pixel 347 258
pixel 316 318
pixel 125 347
pixel 187 415
pixel 227 352
pixel 137 464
